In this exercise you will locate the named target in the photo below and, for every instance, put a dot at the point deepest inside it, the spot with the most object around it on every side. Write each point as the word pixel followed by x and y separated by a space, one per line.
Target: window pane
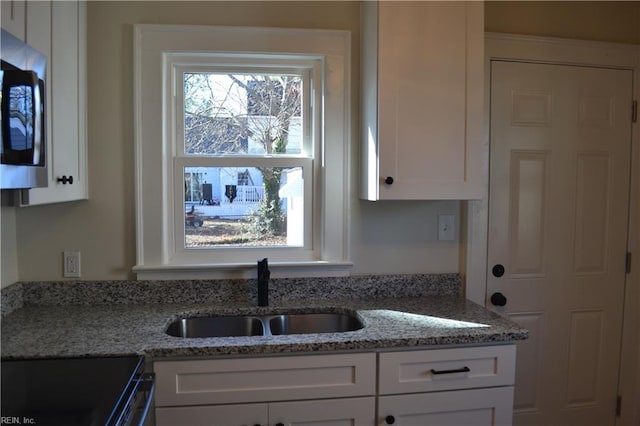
pixel 253 114
pixel 243 207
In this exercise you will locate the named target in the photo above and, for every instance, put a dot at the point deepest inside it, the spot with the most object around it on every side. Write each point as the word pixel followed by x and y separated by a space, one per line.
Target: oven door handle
pixel 149 385
pixel 126 414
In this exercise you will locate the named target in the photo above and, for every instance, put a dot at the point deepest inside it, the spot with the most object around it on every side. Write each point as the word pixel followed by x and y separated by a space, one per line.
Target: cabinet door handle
pixel 64 179
pixel 457 370
pixel 388 180
pixel 389 420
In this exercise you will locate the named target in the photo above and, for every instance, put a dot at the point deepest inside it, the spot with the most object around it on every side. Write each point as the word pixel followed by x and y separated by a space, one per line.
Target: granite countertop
pixel 37 330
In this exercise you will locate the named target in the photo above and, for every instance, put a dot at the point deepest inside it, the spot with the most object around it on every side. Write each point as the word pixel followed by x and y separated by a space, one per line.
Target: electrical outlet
pixel 71 264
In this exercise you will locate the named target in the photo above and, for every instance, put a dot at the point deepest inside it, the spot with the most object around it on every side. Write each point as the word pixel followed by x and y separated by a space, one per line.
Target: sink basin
pixel 264 325
pixel 314 323
pixel 216 327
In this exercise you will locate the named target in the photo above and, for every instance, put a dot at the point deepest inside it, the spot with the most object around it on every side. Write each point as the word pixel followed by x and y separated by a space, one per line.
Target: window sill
pixel 242 270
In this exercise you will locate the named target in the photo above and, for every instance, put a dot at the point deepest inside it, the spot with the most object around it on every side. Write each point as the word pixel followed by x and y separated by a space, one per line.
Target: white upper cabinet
pixel 422 100
pixel 13 14
pixel 58 29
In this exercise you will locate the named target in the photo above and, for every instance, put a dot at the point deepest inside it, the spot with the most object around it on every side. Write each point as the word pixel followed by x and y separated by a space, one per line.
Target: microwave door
pixel 22 115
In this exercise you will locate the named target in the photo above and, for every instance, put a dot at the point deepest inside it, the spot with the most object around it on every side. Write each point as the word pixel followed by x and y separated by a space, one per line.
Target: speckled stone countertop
pixel 108 319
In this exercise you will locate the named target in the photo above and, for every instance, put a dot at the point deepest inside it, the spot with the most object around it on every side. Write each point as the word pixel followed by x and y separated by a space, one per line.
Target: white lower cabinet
pixel 322 412
pixel 328 412
pixel 286 390
pixel 210 415
pixel 458 386
pixel 492 406
pixel 454 386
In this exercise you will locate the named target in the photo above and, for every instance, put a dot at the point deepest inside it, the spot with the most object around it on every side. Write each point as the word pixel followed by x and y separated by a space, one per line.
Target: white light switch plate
pixel 446 227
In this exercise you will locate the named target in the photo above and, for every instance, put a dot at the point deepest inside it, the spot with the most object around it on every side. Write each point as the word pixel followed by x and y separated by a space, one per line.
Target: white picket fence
pixel 248 194
pixel 248 198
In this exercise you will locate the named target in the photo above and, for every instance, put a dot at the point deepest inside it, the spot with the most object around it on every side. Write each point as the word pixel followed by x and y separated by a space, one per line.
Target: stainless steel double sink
pixel 264 325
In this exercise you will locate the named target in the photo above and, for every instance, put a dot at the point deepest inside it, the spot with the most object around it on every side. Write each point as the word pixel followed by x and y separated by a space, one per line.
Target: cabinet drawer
pixel 443 369
pixel 224 381
pixel 478 407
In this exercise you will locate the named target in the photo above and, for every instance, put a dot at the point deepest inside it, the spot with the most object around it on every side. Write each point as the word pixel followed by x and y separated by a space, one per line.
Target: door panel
pixel 584 357
pixel 558 206
pixel 592 202
pixel 527 393
pixel 527 216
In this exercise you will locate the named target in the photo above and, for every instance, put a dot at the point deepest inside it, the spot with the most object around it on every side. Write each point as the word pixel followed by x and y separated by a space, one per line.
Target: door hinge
pixel 618 405
pixel 634 112
pixel 628 263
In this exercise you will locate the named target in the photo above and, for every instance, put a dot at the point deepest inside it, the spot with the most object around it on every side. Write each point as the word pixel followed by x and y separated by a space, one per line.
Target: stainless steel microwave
pixel 23 116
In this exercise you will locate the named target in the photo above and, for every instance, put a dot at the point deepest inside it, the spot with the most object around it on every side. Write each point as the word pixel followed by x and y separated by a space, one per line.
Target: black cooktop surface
pixel 69 391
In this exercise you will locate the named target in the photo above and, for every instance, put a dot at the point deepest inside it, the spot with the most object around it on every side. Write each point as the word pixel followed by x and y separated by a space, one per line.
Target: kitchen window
pixel 242 141
pixel 250 133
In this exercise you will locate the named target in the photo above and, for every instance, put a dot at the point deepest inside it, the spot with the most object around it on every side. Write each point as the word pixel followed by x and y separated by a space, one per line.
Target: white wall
pixel 386 237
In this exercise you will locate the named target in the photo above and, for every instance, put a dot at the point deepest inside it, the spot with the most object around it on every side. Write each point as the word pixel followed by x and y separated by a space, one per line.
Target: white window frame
pixel 158 168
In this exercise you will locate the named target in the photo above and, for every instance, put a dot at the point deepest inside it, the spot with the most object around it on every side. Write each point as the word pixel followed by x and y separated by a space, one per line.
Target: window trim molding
pixel 152 140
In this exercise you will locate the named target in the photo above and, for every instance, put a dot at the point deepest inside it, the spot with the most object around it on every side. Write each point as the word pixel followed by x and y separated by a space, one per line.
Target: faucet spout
pixel 263 282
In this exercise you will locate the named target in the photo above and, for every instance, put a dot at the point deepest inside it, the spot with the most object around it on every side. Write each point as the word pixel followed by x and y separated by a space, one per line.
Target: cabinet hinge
pixel 634 112
pixel 618 405
pixel 628 263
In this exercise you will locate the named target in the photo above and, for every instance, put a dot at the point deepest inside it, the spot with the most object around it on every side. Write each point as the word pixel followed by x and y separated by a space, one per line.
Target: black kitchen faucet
pixel 263 282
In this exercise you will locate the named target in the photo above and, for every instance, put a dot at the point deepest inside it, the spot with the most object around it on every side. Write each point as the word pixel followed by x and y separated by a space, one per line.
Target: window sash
pixel 308 252
pixel 180 63
pixel 250 64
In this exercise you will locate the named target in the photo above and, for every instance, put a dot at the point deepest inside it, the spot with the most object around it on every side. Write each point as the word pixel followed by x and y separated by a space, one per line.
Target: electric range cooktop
pixel 69 392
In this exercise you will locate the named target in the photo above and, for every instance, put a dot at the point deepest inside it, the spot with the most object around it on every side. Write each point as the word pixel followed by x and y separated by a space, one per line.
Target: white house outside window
pixel 243 151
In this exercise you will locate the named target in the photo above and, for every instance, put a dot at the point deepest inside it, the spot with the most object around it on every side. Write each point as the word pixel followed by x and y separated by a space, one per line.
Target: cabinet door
pixel 66 140
pixel 428 133
pixel 331 412
pixel 13 13
pixel 214 415
pixel 38 36
pixel 478 407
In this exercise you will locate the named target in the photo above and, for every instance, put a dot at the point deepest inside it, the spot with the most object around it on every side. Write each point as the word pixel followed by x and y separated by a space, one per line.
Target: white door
pixel 558 206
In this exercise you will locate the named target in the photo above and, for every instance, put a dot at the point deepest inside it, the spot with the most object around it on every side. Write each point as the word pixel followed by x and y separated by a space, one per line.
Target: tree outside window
pixel 245 115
